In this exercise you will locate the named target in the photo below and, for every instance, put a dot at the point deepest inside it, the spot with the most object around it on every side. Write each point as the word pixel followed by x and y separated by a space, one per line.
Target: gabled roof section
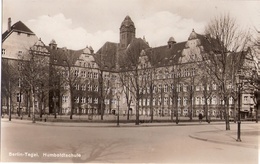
pixel 106 56
pixel 63 54
pixel 17 27
pixel 165 56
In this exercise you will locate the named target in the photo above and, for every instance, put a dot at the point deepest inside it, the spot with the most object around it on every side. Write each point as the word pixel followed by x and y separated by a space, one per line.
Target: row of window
pixel 182 101
pixel 179 88
pixel 89 100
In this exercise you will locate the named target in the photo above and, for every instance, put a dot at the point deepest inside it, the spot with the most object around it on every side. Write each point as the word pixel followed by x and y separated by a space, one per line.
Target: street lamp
pixel 55 100
pixel 257 98
pixel 239 86
pixel 118 97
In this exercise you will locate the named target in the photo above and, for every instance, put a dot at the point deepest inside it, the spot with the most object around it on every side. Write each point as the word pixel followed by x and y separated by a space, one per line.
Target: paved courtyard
pixel 85 142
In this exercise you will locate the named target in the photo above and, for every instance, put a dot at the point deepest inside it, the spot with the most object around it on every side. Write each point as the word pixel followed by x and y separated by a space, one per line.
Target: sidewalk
pixel 250 135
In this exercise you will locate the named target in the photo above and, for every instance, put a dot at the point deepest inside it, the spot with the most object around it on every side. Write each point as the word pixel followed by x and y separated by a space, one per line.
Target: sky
pixel 76 24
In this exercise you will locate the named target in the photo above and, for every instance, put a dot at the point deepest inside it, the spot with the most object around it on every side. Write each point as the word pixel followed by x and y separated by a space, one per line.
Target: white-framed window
pixel 90 100
pixel 19 82
pixel 76 73
pixel 19 97
pixel 214 100
pixel 179 101
pixel 76 99
pixel 83 87
pixel 198 100
pixel 83 99
pixel 202 100
pixel 245 99
pixel 95 75
pixel 95 100
pixel 77 86
pixel 214 86
pixel 95 88
pixel 165 100
pixel 64 98
pixel 185 88
pixel 89 74
pixel 83 73
pixel 3 51
pixel 107 101
pixel 231 100
pixel 165 88
pixel 185 101
pixel 154 89
pixel 89 87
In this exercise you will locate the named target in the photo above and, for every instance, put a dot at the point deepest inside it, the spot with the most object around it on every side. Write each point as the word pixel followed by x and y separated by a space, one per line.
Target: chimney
pixel 9 24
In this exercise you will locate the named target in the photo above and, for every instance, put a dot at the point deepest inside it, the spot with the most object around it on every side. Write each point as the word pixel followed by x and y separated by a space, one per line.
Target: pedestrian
pixel 200 117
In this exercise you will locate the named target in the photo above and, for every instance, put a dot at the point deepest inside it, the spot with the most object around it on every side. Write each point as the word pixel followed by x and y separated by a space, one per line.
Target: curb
pixel 240 144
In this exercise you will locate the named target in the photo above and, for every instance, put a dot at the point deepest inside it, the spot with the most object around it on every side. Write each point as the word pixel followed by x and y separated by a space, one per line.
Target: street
pixel 27 142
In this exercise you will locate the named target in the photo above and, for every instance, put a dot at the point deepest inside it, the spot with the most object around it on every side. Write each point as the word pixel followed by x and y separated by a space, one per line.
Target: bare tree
pixel 130 65
pixel 70 74
pixel 227 50
pixel 35 71
pixel 8 84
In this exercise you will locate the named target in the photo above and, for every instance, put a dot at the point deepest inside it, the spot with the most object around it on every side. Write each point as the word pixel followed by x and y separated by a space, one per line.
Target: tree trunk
pixel 137 112
pixel 227 113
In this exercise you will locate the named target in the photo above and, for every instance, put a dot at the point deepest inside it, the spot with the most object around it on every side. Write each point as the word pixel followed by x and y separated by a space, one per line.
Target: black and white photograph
pixel 130 81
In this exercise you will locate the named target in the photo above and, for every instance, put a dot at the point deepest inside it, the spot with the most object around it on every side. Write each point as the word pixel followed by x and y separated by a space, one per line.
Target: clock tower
pixel 127 32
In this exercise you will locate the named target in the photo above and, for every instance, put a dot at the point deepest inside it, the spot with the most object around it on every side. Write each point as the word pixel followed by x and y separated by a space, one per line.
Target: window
pixel 185 101
pixel 165 100
pixel 76 73
pixel 214 86
pixel 231 100
pixel 19 82
pixel 214 100
pixel 89 74
pixel 83 87
pixel 165 88
pixel 83 100
pixel 202 101
pixel 89 87
pixel 179 101
pixel 90 100
pixel 83 73
pixel 95 75
pixel 20 53
pixel 76 99
pixel 77 86
pixel 95 88
pixel 18 33
pixel 64 98
pixel 19 97
pixel 28 35
pixel 198 100
pixel 107 101
pixel 3 51
pixel 245 99
pixel 185 88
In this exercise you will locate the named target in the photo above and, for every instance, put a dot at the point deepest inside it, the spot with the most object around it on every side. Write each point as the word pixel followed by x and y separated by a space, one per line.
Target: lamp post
pixel 55 100
pixel 118 97
pixel 257 98
pixel 239 86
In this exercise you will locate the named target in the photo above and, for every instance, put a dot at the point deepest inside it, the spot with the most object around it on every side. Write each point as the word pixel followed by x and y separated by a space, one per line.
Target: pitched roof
pixel 165 56
pixel 18 27
pixel 106 55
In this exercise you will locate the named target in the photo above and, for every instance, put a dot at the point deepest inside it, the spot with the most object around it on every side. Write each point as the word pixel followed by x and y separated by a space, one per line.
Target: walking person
pixel 200 117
